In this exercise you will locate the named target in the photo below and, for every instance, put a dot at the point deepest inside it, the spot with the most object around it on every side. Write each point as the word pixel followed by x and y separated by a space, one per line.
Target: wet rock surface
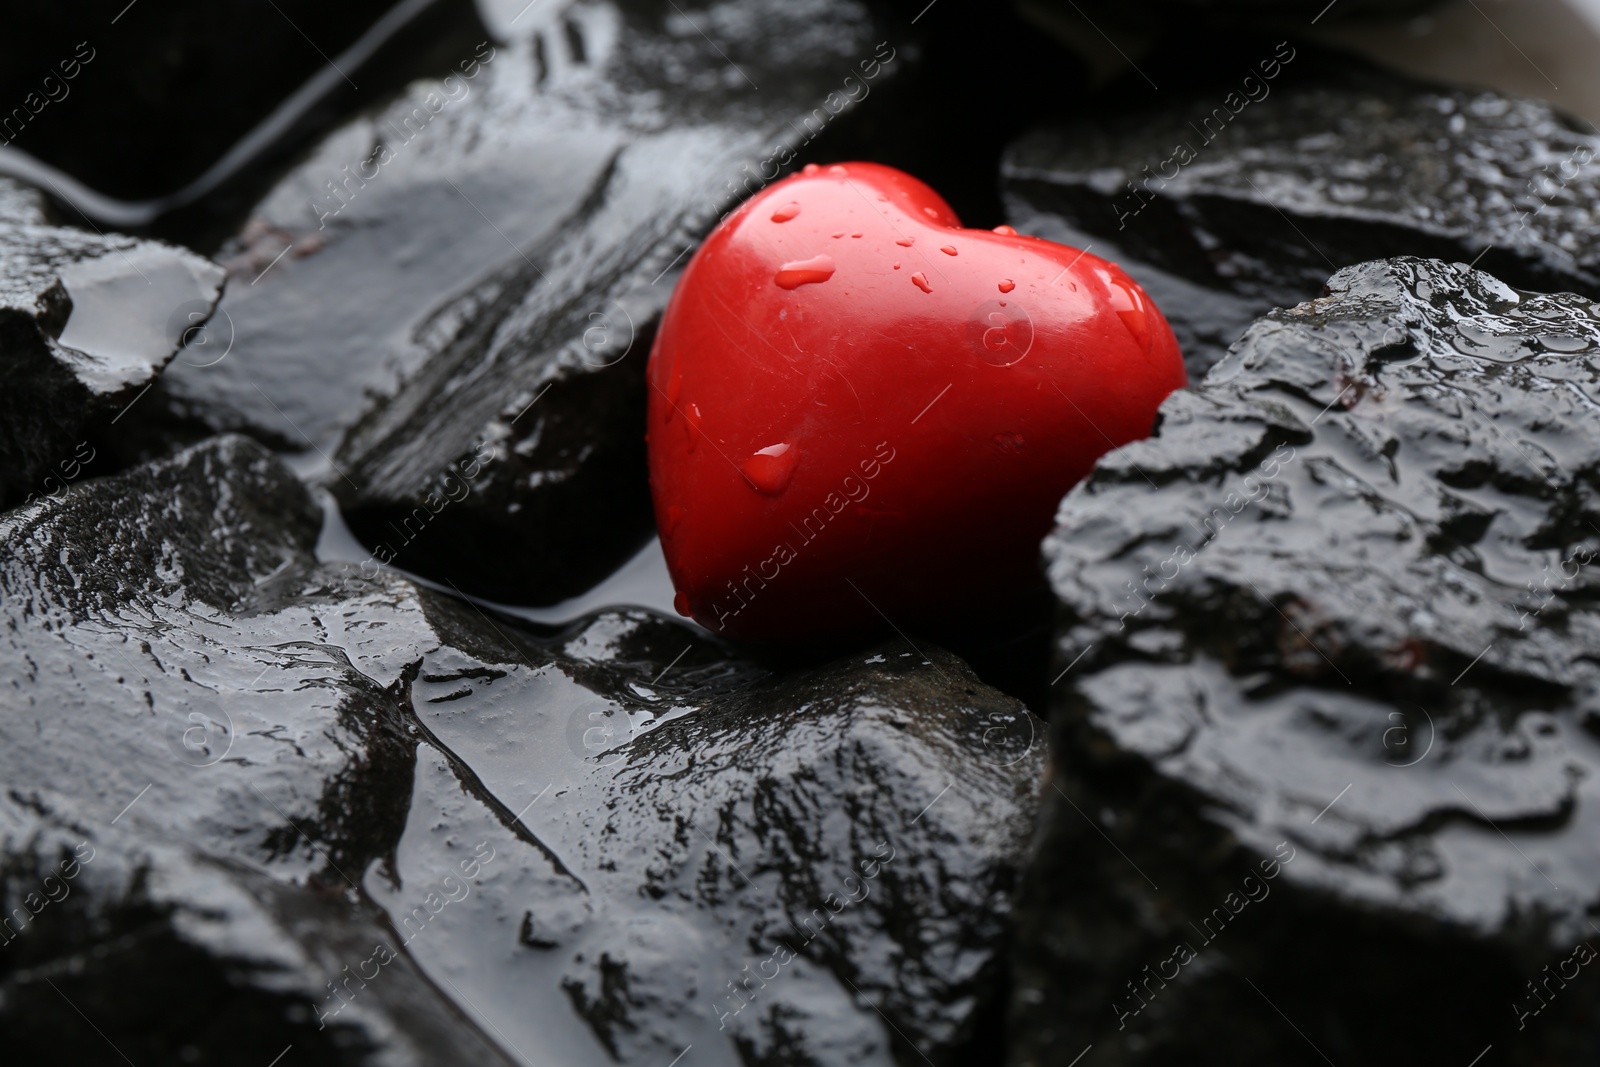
pixel 87 322
pixel 1171 14
pixel 1326 746
pixel 378 825
pixel 1286 163
pixel 137 101
pixel 476 270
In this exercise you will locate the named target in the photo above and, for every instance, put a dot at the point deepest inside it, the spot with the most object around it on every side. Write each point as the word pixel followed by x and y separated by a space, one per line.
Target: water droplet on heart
pixel 905 242
pixel 771 468
pixel 883 199
pixel 1129 306
pixel 691 418
pixel 786 212
pixel 948 250
pixel 920 280
pixel 855 235
pixel 805 272
pixel 896 266
pixel 809 169
pixel 838 235
pixel 1006 230
pixel 837 170
pixel 674 519
pixel 1007 285
pixel 681 602
pixel 930 212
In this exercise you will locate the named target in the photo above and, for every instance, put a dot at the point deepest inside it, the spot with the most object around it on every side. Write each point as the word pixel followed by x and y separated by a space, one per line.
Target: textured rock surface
pixel 1246 196
pixel 86 323
pixel 1353 626
pixel 373 823
pixel 482 262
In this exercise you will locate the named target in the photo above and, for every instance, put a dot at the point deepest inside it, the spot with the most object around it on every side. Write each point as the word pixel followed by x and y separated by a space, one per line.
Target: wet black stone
pixel 567 843
pixel 138 99
pixel 1155 16
pixel 481 264
pixel 87 321
pixel 1338 608
pixel 1334 163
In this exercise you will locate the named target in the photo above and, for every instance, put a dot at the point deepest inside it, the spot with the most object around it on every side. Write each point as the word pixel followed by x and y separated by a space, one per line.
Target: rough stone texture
pixel 482 263
pixel 821 842
pixel 86 323
pixel 1353 624
pixel 233 773
pixel 1337 163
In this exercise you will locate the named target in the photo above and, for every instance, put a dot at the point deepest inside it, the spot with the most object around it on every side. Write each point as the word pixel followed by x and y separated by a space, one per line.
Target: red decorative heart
pixel 863 415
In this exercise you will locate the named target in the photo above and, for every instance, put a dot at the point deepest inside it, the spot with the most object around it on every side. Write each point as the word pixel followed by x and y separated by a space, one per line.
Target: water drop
pixel 838 235
pixel 896 266
pixel 905 242
pixel 1007 285
pixel 771 468
pixel 691 418
pixel 855 235
pixel 805 272
pixel 920 280
pixel 809 169
pixel 786 212
pixel 948 250
pixel 1006 230
pixel 930 212
pixel 681 602
pixel 837 170
pixel 674 520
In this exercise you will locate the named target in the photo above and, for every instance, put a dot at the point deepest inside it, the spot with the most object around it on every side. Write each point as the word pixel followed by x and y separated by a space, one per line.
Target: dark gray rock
pixel 253 802
pixel 1346 640
pixel 814 869
pixel 1250 12
pixel 214 758
pixel 136 101
pixel 87 321
pixel 481 264
pixel 1247 195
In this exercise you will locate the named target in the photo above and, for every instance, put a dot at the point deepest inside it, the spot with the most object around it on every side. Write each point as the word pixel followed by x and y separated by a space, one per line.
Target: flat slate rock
pixel 1329 739
pixel 87 322
pixel 1246 195
pixel 480 265
pixel 254 802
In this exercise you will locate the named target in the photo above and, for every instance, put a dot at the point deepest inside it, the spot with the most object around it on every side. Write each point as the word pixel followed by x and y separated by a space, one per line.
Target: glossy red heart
pixel 863 416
